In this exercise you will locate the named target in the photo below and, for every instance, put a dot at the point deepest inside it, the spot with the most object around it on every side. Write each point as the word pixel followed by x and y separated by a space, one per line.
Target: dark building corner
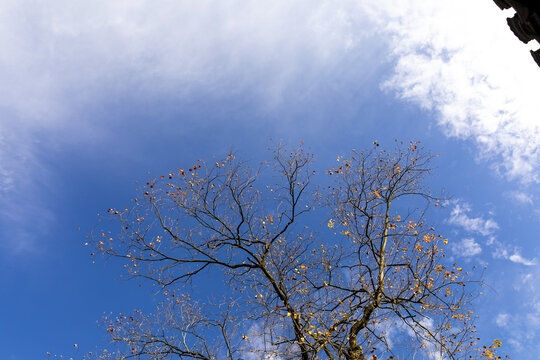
pixel 525 24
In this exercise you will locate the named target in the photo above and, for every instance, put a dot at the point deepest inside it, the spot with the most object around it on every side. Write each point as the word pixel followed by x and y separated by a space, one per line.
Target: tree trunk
pixel 356 353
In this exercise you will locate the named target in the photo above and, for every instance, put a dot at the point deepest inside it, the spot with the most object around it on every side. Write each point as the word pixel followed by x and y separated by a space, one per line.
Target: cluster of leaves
pixel 490 352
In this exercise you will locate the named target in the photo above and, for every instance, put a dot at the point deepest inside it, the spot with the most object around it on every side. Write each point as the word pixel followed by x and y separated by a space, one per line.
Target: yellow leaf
pixel 331 223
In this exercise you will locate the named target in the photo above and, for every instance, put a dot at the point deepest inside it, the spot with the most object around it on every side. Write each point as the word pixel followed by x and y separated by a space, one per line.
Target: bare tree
pixel 370 282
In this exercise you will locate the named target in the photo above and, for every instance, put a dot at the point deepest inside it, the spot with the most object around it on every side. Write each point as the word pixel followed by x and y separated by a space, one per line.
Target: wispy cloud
pixel 466 247
pixel 521 197
pixel 258 345
pixel 509 252
pixel 502 320
pixel 423 330
pixel 459 216
pixel 522 323
pixel 74 50
pixel 62 60
pixel 517 258
pixel 24 216
pixel 456 58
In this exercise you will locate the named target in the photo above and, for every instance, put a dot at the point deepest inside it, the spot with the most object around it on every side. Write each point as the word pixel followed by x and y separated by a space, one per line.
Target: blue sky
pixel 97 96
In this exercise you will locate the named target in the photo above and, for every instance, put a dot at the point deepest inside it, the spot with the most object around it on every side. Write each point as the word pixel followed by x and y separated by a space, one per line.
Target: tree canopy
pixel 289 263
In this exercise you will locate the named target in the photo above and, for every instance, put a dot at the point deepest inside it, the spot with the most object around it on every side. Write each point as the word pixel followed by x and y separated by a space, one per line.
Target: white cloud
pixel 458 59
pixel 467 247
pixel 517 258
pixel 502 320
pixel 423 329
pixel 512 253
pixel 526 278
pixel 258 345
pixel 74 50
pixel 460 216
pixel 521 197
pixel 61 61
pixel 521 319
pixel 23 185
pixel 454 57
